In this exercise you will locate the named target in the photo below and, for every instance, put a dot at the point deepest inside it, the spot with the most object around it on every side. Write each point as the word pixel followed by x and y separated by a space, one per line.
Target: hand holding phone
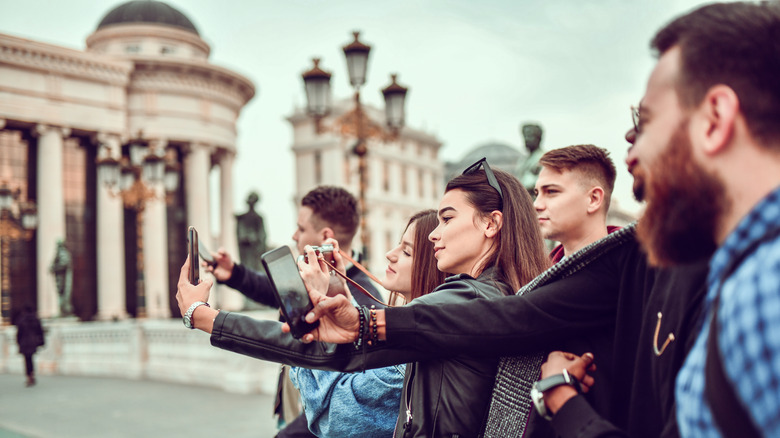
pixel 192 250
pixel 291 293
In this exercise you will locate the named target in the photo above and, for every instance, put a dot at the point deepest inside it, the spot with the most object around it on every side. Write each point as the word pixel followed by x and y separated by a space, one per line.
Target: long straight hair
pixel 519 252
pixel 425 274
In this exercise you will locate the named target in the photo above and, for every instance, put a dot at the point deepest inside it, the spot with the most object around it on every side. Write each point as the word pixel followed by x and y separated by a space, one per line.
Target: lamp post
pixel 135 179
pixel 356 122
pixel 18 220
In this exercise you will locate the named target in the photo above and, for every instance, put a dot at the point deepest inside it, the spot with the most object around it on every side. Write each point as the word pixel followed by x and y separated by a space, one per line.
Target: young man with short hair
pixel 573 194
pixel 325 212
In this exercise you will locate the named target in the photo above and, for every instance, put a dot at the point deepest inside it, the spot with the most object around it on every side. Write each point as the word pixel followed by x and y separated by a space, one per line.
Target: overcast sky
pixel 476 69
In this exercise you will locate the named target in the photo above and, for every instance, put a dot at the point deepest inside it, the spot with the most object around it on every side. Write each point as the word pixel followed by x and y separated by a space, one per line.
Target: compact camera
pixel 325 250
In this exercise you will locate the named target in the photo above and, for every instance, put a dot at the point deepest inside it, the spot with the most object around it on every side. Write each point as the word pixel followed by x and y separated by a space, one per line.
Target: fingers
pixel 184 273
pixel 324 306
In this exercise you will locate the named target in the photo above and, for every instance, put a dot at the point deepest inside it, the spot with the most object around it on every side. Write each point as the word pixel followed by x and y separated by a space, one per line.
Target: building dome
pixel 147 11
pixel 499 155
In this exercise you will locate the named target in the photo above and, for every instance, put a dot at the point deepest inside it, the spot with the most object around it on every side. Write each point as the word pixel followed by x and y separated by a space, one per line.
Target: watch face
pixel 187 322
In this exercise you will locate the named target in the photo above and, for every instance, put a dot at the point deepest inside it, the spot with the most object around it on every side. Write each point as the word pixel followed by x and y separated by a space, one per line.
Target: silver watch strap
pixel 188 315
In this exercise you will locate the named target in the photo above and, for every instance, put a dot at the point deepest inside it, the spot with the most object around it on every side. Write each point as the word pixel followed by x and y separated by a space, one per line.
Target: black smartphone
pixel 192 249
pixel 290 291
pixel 205 254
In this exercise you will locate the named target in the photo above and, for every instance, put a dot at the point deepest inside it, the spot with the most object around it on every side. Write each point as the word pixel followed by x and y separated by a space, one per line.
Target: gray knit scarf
pixel 511 405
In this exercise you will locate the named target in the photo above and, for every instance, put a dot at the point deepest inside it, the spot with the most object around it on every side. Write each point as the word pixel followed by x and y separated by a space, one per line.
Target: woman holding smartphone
pixel 488 236
pixel 330 400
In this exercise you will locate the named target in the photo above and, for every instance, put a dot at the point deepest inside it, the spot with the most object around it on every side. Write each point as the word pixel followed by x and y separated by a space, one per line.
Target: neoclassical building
pixel 404 174
pixel 145 76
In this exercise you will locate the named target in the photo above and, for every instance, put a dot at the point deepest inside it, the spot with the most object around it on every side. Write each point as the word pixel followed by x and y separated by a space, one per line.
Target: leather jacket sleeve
pixel 254 285
pixel 263 339
pixel 535 321
pixel 577 419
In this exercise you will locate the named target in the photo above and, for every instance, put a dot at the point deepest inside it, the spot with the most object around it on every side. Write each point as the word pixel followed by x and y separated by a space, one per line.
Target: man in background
pixel 573 194
pixel 325 212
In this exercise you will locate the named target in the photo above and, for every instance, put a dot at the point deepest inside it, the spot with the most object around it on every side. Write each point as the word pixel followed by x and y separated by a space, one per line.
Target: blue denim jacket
pixel 350 404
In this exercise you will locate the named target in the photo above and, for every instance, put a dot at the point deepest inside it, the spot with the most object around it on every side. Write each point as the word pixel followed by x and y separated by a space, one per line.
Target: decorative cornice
pixel 187 77
pixel 63 61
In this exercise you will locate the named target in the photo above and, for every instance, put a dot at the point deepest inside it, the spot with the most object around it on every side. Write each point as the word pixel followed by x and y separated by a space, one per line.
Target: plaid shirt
pixel 745 270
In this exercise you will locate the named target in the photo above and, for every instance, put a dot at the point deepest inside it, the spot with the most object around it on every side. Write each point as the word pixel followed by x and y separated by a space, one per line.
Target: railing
pixel 141 349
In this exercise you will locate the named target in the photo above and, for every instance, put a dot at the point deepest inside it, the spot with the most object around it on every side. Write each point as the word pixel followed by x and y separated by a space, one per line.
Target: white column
pixel 229 299
pixel 155 243
pixel 51 213
pixel 197 166
pixel 110 244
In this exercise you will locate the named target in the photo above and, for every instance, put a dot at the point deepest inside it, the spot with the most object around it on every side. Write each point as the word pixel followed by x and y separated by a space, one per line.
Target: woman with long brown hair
pixel 487 235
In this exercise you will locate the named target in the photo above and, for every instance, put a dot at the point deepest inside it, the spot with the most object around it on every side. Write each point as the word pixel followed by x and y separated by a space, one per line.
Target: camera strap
pixel 353 282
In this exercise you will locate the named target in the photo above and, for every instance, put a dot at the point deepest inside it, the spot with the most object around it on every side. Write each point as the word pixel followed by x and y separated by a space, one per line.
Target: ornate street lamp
pixel 356 122
pixel 18 220
pixel 135 179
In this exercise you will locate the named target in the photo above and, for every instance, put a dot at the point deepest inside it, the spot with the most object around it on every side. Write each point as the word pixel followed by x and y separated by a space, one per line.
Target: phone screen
pixel 192 248
pixel 290 291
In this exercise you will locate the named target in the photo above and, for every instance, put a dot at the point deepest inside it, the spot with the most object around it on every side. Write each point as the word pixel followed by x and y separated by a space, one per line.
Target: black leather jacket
pixel 448 395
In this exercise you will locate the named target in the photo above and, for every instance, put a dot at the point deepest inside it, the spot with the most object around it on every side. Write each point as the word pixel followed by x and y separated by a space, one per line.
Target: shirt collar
pixel 762 220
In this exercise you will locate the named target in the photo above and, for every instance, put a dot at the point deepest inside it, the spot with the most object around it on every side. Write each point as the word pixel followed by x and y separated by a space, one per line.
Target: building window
pixel 79 183
pixel 317 167
pixel 17 168
pixel 421 182
pixel 347 170
pixel 167 50
pixel 386 176
pixel 403 180
pixel 133 48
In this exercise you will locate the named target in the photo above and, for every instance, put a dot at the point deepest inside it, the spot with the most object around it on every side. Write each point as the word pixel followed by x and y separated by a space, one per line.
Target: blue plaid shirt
pixel 748 326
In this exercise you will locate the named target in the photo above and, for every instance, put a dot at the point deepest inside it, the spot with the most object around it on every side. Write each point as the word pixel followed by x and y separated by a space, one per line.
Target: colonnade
pixel 198 161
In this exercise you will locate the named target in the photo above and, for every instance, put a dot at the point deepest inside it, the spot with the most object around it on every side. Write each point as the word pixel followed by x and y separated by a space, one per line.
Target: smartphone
pixel 205 254
pixel 291 294
pixel 192 250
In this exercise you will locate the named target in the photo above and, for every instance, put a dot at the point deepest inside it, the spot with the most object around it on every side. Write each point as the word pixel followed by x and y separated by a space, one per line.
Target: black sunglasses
pixel 491 177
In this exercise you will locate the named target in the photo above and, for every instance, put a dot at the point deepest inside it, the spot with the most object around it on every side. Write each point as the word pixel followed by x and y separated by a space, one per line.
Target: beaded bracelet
pixel 359 341
pixel 374 330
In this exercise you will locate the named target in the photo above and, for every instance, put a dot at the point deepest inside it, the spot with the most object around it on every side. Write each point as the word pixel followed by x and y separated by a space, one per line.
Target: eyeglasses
pixel 491 177
pixel 635 118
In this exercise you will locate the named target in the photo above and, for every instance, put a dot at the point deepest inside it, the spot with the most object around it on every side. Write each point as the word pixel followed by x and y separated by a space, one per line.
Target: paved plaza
pixel 84 407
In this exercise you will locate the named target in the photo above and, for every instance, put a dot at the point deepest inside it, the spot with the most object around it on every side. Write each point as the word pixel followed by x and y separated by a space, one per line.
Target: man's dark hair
pixel 592 161
pixel 735 44
pixel 336 208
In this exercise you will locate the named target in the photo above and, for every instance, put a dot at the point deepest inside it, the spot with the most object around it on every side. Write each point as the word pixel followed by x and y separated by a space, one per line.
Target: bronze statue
pixel 62 268
pixel 250 231
pixel 528 171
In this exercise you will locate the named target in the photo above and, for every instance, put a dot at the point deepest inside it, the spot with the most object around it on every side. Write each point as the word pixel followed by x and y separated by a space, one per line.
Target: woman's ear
pixel 494 223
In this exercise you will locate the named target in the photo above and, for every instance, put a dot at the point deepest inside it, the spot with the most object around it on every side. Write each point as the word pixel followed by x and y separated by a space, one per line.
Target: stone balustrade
pixel 141 349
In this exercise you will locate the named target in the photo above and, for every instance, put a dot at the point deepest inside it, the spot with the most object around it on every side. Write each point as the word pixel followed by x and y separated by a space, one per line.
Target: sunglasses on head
pixel 491 177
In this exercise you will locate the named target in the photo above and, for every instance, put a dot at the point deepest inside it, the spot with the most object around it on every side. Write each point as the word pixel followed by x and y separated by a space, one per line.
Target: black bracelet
pixel 359 341
pixel 374 330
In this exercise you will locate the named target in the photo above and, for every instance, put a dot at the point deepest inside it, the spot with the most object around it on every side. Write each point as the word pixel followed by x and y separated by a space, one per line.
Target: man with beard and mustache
pixel 715 184
pixel 715 96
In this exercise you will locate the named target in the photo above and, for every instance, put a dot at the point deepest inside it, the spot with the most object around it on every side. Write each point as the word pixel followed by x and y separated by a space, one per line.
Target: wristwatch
pixel 188 314
pixel 539 387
